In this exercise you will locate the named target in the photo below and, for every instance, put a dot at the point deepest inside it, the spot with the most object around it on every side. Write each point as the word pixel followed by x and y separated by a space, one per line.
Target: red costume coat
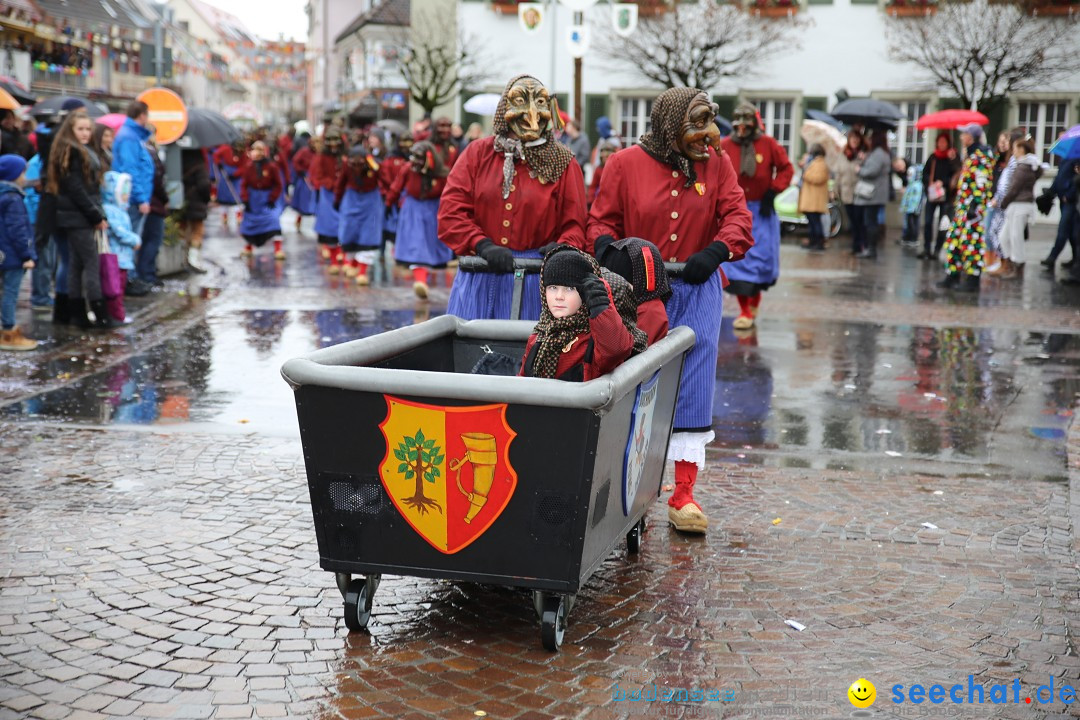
pixel 266 177
pixel 606 346
pixel 324 171
pixel 411 182
pixel 363 180
pixel 595 185
pixel 642 197
pixel 449 152
pixel 302 160
pixel 652 319
pixel 389 171
pixel 774 170
pixel 534 214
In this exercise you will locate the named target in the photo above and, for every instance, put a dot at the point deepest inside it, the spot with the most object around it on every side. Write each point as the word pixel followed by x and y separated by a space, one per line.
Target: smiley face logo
pixel 862 693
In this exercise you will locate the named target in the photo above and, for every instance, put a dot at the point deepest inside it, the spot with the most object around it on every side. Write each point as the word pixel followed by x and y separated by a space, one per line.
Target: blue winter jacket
pixel 31 196
pixel 122 239
pixel 130 155
pixel 16 233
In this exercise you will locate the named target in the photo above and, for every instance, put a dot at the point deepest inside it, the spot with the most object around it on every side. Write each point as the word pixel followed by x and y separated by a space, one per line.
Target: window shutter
pixel 727 104
pixel 595 106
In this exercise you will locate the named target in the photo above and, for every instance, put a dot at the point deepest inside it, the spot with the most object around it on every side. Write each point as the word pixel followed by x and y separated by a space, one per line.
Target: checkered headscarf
pixel 667 117
pixel 547 160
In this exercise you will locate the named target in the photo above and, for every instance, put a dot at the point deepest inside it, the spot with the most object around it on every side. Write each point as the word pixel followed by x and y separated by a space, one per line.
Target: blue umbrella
pixel 826 118
pixel 1068 145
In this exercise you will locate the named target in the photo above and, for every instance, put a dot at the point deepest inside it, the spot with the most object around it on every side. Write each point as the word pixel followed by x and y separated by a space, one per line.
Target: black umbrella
pixel 868 111
pixel 822 116
pixel 55 106
pixel 17 90
pixel 207 128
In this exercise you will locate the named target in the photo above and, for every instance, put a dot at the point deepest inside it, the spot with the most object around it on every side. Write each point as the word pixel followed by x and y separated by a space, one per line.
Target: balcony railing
pixel 62 81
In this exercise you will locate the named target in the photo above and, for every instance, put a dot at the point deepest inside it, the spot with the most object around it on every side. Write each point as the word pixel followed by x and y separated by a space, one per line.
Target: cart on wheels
pixel 417 467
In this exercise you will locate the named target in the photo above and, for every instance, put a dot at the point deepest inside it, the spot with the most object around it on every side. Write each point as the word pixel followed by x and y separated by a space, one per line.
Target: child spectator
pixel 911 205
pixel 419 185
pixel 580 335
pixel 1018 205
pixel 16 249
pixel 123 240
pixel 814 196
pixel 639 262
pixel 260 187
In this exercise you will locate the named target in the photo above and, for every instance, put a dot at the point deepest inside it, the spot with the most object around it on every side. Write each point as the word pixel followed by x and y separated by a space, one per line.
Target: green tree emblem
pixel 420 459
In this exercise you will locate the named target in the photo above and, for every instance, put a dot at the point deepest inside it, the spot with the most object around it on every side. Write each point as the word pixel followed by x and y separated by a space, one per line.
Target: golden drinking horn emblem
pixel 482 452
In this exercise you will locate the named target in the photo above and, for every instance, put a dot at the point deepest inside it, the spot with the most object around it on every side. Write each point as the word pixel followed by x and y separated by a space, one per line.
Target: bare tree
pixel 983 51
pixel 699 44
pixel 434 66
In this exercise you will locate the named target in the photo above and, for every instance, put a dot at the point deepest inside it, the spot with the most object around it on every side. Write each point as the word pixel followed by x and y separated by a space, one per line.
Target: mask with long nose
pixel 528 109
pixel 699 131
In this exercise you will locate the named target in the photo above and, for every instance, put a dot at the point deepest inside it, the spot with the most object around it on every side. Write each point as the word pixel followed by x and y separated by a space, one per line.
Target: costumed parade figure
pixel 304 195
pixel 325 167
pixel 513 195
pixel 764 171
pixel 443 141
pixel 260 188
pixel 965 242
pixel 396 160
pixel 360 207
pixel 229 162
pixel 418 186
pixel 675 190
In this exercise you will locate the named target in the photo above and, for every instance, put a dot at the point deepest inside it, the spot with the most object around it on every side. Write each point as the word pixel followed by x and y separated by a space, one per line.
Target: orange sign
pixel 168 113
pixel 447 469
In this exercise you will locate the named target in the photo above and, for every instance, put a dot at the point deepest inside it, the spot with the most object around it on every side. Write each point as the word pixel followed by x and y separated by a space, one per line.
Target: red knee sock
pixel 685 478
pixel 744 305
pixel 420 274
pixel 361 268
pixel 277 246
pixel 755 300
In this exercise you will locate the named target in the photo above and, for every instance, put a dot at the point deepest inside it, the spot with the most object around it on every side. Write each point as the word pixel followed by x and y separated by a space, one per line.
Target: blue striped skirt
pixel 326 217
pixel 360 219
pixel 487 296
pixel 304 197
pixel 264 217
pixel 761 266
pixel 418 234
pixel 228 188
pixel 700 307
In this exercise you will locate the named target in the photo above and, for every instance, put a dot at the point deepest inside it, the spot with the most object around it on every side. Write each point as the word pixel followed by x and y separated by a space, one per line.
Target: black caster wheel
pixel 634 537
pixel 553 622
pixel 358 603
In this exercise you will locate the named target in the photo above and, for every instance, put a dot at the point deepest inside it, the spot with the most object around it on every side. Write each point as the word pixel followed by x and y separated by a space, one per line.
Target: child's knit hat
pixel 640 263
pixel 11 167
pixel 566 269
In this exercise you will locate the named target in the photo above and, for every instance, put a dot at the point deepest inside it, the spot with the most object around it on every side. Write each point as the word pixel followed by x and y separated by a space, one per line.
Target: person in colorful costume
pixel 965 243
pixel 679 191
pixel 325 168
pixel 514 195
pixel 304 195
pixel 260 188
pixel 389 169
pixel 229 162
pixel 764 171
pixel 418 187
pixel 360 207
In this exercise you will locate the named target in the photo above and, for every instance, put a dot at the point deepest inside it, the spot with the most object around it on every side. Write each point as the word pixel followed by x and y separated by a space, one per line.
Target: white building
pixel 326 19
pixel 368 53
pixel 843 48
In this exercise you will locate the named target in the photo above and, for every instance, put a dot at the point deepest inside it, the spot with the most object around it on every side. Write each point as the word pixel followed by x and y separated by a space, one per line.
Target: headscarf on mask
pixel 546 158
pixel 747 156
pixel 667 117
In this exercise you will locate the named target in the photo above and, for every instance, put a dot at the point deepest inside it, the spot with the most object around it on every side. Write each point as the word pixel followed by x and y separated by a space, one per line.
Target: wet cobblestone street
pixel 897 472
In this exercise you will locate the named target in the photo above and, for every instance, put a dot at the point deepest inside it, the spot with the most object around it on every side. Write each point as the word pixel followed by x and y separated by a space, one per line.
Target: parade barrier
pixel 417 467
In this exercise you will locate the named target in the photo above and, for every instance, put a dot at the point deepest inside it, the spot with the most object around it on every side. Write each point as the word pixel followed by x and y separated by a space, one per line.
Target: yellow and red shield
pixel 447 469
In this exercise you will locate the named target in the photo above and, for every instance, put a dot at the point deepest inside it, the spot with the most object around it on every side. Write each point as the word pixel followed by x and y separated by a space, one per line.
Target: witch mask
pixel 528 109
pixel 699 131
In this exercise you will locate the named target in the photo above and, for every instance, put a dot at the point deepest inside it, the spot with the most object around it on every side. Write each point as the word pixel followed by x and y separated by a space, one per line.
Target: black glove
pixel 499 259
pixel 545 249
pixel 602 244
pixel 767 201
pixel 701 265
pixel 594 294
pixel 247 206
pixel 386 212
pixel 1045 202
pixel 972 212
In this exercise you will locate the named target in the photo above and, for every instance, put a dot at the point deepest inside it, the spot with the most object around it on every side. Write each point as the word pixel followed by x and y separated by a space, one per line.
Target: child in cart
pixel 580 335
pixel 639 262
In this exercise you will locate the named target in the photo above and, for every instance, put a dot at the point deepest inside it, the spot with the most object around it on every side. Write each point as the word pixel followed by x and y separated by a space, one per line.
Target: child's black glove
pixel 337 206
pixel 767 208
pixel 594 294
pixel 499 259
pixel 701 265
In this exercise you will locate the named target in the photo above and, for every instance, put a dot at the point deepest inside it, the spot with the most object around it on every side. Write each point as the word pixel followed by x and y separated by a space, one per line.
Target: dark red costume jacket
pixel 411 183
pixel 389 171
pixel 534 214
pixel 652 319
pixel 302 160
pixel 262 175
pixel 770 157
pixel 226 157
pixel 595 185
pixel 324 171
pixel 449 152
pixel 362 180
pixel 642 197
pixel 597 352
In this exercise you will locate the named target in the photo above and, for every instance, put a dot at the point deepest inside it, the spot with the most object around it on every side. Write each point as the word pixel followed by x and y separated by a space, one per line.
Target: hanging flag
pixel 531 16
pixel 577 40
pixel 624 18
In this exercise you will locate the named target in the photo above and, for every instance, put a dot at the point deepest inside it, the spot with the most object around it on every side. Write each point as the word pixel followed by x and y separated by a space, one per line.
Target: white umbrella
pixel 302 126
pixel 816 131
pixel 482 104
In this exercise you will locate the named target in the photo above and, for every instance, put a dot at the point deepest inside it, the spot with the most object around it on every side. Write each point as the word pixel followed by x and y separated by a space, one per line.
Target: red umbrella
pixel 951 119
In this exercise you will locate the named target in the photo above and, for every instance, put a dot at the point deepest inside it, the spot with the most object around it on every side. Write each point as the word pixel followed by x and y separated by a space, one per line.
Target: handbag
pixel 864 189
pixel 109 264
pixel 935 192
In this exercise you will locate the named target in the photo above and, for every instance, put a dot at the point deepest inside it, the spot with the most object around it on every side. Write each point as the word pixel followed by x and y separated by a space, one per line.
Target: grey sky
pixel 270 18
